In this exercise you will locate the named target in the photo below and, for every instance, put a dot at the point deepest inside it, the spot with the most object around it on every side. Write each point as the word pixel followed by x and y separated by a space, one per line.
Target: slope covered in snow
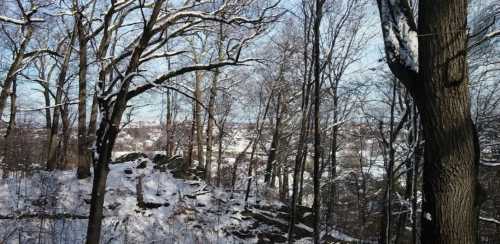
pixel 53 207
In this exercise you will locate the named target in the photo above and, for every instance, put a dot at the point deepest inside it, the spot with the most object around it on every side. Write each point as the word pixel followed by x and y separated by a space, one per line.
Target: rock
pixel 142 164
pixel 128 171
pixel 304 214
pixel 129 157
pixel 114 205
pixel 151 205
pixel 161 168
pixel 160 159
pixel 190 196
pixel 270 218
pixel 39 202
pixel 271 237
pixel 176 163
pixel 243 234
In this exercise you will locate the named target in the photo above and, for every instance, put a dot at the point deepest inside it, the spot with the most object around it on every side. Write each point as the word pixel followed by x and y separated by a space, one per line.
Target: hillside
pixel 144 203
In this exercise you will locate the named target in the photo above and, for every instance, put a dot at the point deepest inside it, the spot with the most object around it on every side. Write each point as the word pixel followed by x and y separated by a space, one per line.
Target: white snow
pixel 428 216
pixel 184 220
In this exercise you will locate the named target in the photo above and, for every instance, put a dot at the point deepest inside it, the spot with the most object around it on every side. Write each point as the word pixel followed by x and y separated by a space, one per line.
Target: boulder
pixel 129 157
pixel 142 164
pixel 176 163
pixel 160 159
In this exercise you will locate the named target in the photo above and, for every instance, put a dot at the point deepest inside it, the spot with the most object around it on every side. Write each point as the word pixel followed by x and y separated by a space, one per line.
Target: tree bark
pixel 169 147
pixel 274 145
pixel 317 129
pixel 439 86
pixel 450 183
pixel 211 102
pixel 66 133
pixel 110 121
pixel 199 123
pixel 83 170
pixel 10 130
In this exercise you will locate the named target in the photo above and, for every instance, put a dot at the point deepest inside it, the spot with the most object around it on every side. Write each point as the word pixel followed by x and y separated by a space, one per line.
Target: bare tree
pixel 114 94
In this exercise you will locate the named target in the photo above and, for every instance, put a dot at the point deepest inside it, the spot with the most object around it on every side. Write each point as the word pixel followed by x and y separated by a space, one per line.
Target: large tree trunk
pixel 450 184
pixel 9 132
pixel 496 202
pixel 317 129
pixel 109 124
pixel 83 170
pixel 105 139
pixel 211 111
pixel 439 86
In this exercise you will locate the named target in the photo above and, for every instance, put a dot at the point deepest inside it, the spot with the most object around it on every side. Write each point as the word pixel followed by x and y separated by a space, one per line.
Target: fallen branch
pixel 44 216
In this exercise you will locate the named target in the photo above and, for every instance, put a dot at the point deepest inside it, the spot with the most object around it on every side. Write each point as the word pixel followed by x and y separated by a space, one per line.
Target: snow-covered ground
pixel 183 218
pixel 52 208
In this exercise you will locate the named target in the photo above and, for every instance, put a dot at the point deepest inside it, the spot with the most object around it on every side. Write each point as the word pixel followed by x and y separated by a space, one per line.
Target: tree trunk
pixel 259 126
pixel 386 230
pixel 14 68
pixel 237 161
pixel 199 123
pixel 219 157
pixel 213 95
pixel 105 139
pixel 274 144
pixel 111 114
pixel 299 167
pixel 169 147
pixel 83 170
pixel 66 133
pixel 190 146
pixel 450 184
pixel 61 80
pixel 496 202
pixel 210 122
pixel 411 166
pixel 317 129
pixel 333 174
pixel 10 130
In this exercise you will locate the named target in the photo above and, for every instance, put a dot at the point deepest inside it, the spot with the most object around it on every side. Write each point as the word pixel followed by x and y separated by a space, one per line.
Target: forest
pixel 250 121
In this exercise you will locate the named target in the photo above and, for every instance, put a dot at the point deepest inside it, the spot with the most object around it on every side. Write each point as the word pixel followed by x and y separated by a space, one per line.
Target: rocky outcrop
pixel 130 157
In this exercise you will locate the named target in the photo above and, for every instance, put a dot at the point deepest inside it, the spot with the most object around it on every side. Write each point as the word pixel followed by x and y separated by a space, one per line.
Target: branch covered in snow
pixel 490 220
pixel 400 38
